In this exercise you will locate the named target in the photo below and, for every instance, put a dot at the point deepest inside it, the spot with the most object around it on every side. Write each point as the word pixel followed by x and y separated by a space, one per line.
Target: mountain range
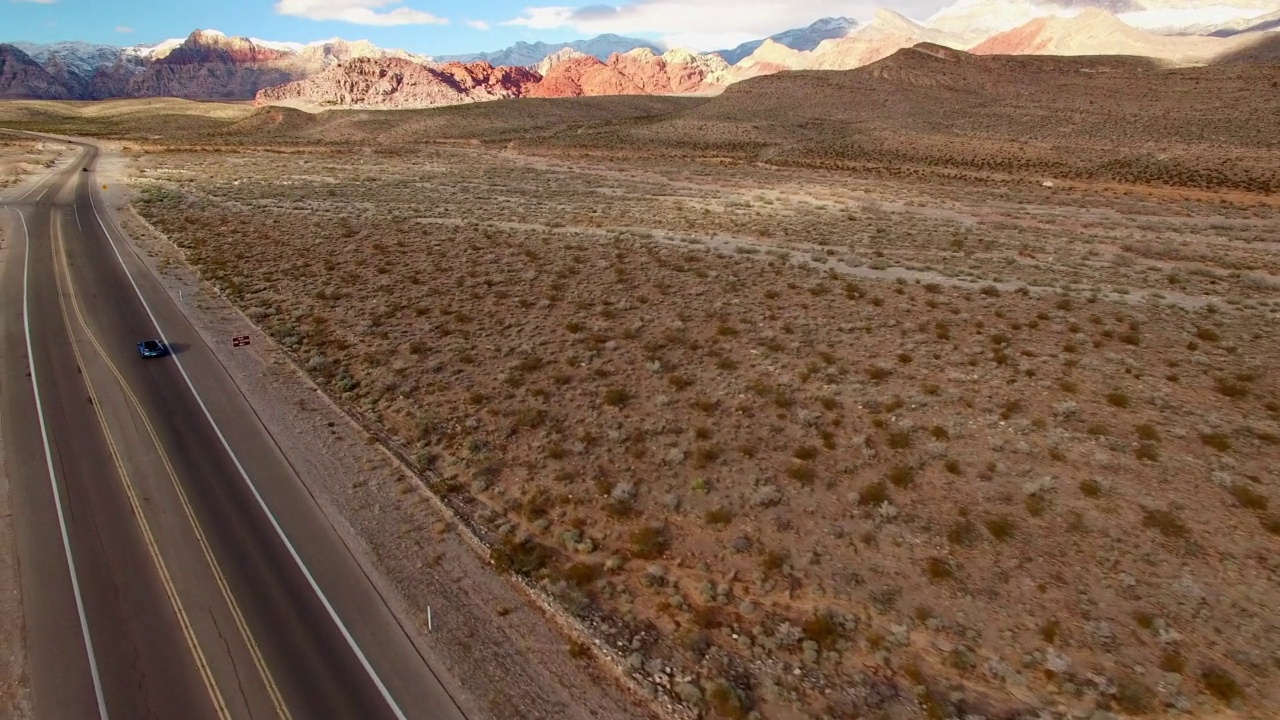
pixel 526 54
pixel 210 65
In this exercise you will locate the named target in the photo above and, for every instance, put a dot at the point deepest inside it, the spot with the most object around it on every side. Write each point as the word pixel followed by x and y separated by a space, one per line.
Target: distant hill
pixel 1091 117
pixel 1095 32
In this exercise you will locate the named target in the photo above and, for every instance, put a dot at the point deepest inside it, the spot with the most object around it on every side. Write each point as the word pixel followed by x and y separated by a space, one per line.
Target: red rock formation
pixel 638 72
pixel 205 46
pixel 393 82
pixel 584 76
pixel 210 65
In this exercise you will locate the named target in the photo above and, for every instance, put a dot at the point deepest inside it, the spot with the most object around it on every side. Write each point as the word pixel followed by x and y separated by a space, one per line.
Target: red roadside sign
pixel 239 341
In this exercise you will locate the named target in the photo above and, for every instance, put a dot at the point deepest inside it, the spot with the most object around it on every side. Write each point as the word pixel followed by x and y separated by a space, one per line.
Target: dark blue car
pixel 152 348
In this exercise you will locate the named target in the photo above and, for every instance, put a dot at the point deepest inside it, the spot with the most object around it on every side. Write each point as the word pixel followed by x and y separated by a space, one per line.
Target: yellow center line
pixel 148 537
pixel 273 690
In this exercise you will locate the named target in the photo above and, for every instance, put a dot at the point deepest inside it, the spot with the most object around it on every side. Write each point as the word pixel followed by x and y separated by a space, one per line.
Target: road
pixel 173 565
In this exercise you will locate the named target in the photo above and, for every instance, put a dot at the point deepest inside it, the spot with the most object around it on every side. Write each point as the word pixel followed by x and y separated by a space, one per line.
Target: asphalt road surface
pixel 173 566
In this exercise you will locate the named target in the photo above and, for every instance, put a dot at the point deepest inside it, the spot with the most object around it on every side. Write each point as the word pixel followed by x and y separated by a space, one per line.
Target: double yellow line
pixel 68 291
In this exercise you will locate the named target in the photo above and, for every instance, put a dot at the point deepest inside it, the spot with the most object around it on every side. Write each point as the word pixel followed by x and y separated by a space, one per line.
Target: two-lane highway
pixel 173 565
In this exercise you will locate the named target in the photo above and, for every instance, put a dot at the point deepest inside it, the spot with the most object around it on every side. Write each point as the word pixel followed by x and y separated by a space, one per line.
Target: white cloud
pixel 123 29
pixel 358 12
pixel 35 2
pixel 708 24
pixel 478 24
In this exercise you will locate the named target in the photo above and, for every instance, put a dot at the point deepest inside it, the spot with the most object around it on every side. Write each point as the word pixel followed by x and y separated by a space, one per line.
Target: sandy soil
pixel 22 159
pixel 498 635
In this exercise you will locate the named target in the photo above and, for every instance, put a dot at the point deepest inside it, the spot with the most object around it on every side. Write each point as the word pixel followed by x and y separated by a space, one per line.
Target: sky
pixel 431 27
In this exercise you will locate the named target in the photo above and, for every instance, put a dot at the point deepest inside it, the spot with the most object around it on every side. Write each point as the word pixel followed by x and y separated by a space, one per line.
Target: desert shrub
pixel 821 628
pixel 805 453
pixel 1090 487
pixel 1220 683
pixel 719 516
pixel 1207 334
pixel 1148 432
pixel 1133 696
pixel 1173 661
pixel 616 397
pixel 728 701
pixel 1037 504
pixel 878 373
pixel 650 542
pixel 705 455
pixel 938 569
pixel 963 532
pixel 1001 527
pixel 802 473
pixel 1231 388
pixel 1166 522
pixel 1271 523
pixel 523 557
pixel 874 494
pixel 1217 441
pixel 1051 630
pixel 582 574
pixel 1248 497
pixel 899 439
pixel 901 475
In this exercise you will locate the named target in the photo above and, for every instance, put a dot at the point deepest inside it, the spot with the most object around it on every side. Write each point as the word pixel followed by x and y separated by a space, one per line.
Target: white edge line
pixel 30 190
pixel 53 482
pixel 297 559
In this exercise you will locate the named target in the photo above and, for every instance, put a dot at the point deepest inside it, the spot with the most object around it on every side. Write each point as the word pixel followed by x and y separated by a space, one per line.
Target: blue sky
pixel 433 27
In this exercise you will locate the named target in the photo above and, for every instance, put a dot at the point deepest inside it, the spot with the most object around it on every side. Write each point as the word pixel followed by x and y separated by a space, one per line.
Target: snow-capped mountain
pixel 80 57
pixel 525 54
pixel 153 51
pixel 805 38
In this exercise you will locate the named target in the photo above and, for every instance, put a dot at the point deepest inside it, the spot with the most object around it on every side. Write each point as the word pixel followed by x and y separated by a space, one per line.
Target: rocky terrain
pixel 23 77
pixel 638 72
pixel 402 83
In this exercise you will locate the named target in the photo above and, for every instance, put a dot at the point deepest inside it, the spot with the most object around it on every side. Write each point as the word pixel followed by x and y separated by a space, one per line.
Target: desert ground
pixel 22 158
pixel 796 435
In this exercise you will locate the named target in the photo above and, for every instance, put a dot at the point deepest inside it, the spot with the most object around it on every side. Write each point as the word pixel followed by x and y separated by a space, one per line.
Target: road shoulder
pixel 15 688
